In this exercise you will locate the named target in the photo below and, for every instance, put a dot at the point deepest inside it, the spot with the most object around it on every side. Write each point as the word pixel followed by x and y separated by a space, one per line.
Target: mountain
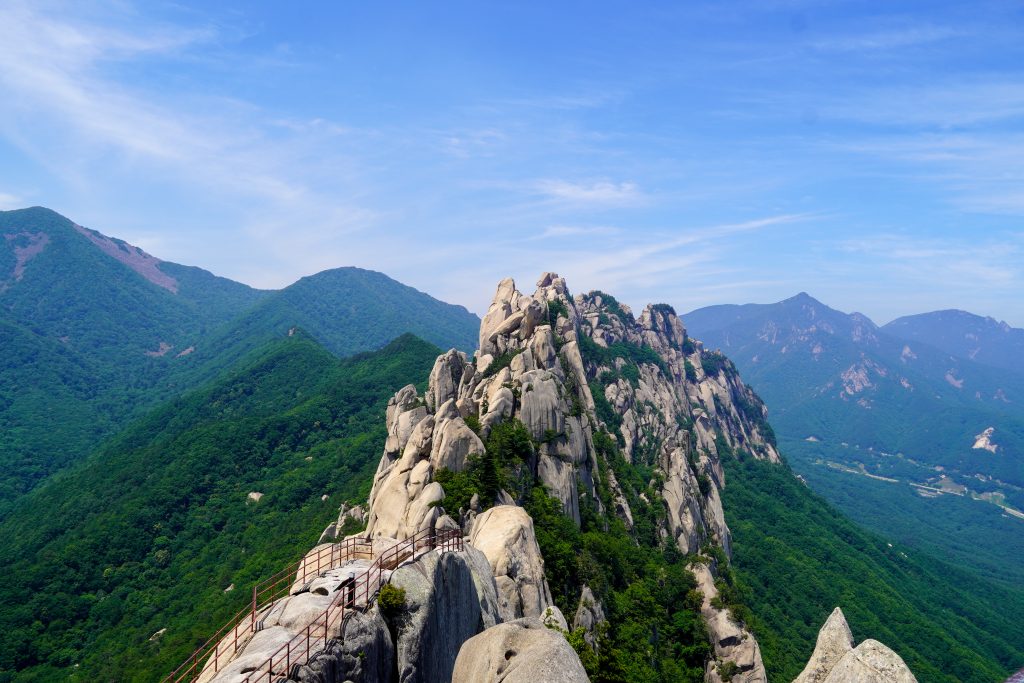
pixel 90 324
pixel 838 378
pixel 862 413
pixel 95 332
pixel 604 465
pixel 964 335
pixel 347 310
pixel 150 531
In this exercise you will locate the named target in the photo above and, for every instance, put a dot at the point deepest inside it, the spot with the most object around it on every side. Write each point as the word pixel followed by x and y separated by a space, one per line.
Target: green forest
pixel 799 558
pixel 149 532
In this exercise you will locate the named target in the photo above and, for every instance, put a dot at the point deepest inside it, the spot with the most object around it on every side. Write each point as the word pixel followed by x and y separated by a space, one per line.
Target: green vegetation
pixel 651 599
pixel 557 308
pixel 800 558
pixel 613 306
pixel 970 533
pixel 906 423
pixel 501 362
pixel 149 532
pixel 713 362
pixel 634 355
pixel 391 600
pixel 502 466
pixel 82 335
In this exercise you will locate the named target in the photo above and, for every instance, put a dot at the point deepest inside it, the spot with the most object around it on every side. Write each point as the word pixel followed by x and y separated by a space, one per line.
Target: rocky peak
pixel 836 660
pixel 588 381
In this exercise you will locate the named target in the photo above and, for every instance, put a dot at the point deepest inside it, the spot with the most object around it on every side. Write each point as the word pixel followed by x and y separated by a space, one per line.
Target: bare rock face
pixel 365 653
pixel 522 651
pixel 504 534
pixel 732 642
pixel 836 660
pixel 871 662
pixel 449 599
pixel 835 641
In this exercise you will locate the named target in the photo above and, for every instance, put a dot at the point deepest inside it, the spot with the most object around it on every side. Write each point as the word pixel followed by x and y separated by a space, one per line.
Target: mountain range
pixel 865 411
pixel 95 332
pixel 171 437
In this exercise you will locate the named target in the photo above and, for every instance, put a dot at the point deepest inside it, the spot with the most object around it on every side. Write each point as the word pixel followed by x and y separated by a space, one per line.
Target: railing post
pixel 253 619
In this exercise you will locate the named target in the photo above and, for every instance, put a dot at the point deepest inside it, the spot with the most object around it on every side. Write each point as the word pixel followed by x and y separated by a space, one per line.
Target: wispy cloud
pixel 66 107
pixel 953 102
pixel 10 201
pixel 600 192
pixel 975 264
pixel 887 40
pixel 578 231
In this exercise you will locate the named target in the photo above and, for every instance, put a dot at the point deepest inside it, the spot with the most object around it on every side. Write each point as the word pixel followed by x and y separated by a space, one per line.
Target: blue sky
pixel 871 154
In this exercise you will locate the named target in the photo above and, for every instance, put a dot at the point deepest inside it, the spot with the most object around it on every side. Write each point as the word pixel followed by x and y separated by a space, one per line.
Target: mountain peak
pixel 801 298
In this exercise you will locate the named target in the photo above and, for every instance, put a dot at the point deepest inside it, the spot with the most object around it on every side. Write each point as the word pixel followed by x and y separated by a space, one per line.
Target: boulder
pixel 731 641
pixel 871 662
pixel 445 378
pixel 834 641
pixel 364 655
pixel 453 443
pixel 522 651
pixel 504 534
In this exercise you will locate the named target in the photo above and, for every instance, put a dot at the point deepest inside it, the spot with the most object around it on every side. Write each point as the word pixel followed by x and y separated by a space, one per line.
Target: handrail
pixel 300 648
pixel 220 648
pixel 264 594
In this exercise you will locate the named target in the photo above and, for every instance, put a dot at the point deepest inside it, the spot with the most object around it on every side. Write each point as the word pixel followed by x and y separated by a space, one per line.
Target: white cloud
pixel 578 231
pixel 10 201
pixel 888 40
pixel 967 263
pixel 601 192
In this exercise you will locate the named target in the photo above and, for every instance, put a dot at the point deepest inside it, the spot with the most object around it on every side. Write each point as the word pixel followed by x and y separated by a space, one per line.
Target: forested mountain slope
pixel 90 326
pixel 96 331
pixel 630 451
pixel 150 531
pixel 797 557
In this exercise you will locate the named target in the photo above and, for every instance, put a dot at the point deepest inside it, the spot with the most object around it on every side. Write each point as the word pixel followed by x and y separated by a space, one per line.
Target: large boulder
pixel 522 651
pixel 834 641
pixel 871 662
pixel 836 660
pixel 365 654
pixel 504 534
pixel 449 599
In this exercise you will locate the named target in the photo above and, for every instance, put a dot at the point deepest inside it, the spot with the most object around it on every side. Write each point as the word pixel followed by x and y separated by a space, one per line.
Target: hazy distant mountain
pixel 837 378
pixel 965 335
pixel 96 331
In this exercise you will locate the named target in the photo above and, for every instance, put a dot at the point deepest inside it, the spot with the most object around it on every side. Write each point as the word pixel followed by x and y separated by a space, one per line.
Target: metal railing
pixel 352 595
pixel 221 648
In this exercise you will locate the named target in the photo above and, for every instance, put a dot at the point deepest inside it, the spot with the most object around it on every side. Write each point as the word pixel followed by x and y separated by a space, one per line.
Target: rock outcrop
pixel 521 651
pixel 591 385
pixel 732 642
pixel 836 660
pixel 589 617
pixel 540 357
pixel 575 371
pixel 504 534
